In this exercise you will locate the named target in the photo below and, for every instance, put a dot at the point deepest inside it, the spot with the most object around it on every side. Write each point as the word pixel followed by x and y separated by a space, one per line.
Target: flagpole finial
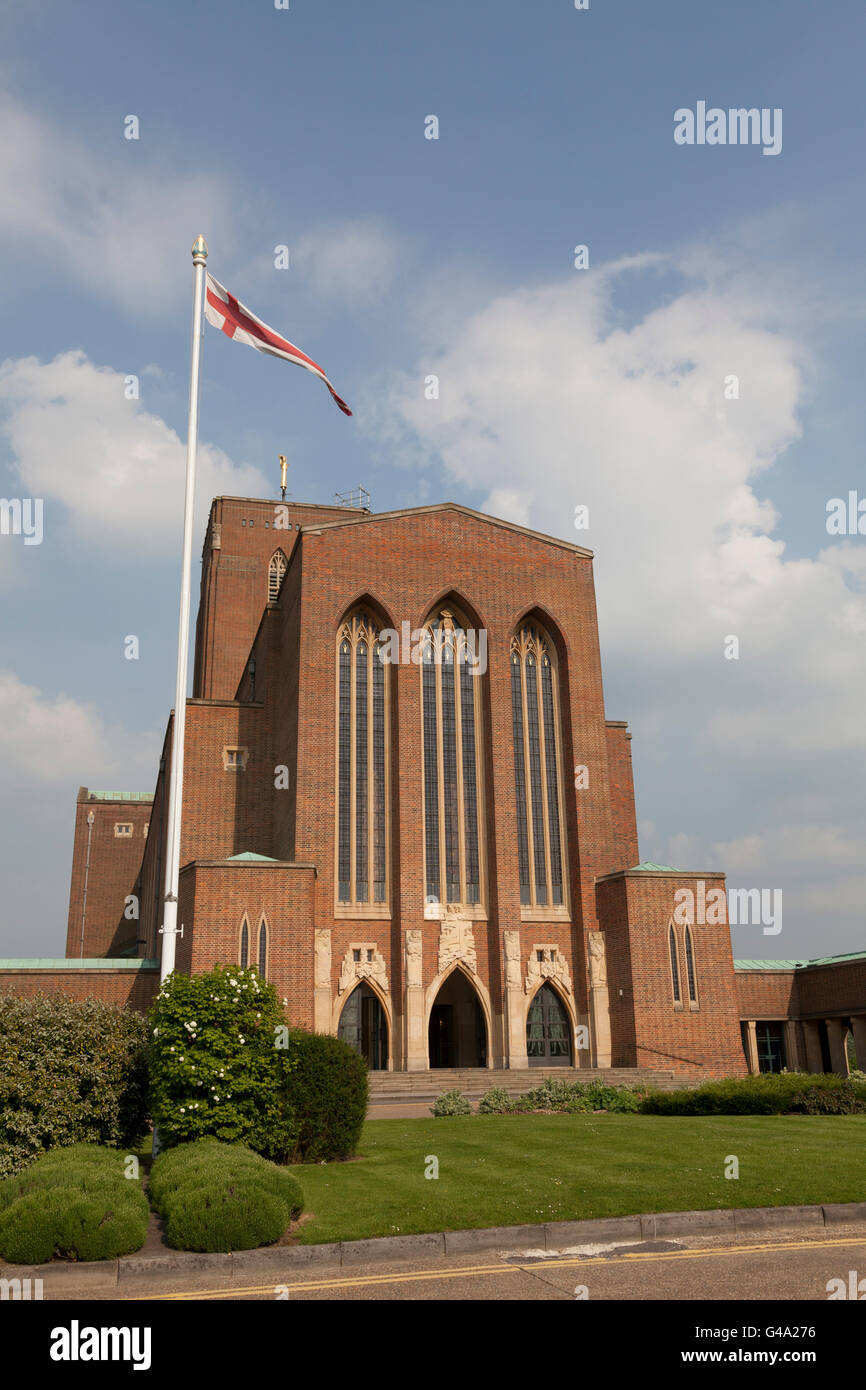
pixel 199 251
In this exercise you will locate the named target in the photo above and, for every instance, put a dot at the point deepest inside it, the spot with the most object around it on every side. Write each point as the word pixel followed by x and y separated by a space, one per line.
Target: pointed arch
pixel 691 975
pixel 276 574
pixel 453 661
pixel 553 1038
pixel 244 943
pixel 482 998
pixel 368 1030
pixel 262 948
pixel 538 769
pixel 674 964
pixel 362 809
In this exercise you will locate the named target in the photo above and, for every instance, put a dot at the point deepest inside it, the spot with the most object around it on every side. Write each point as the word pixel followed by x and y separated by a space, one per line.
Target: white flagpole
pixel 175 786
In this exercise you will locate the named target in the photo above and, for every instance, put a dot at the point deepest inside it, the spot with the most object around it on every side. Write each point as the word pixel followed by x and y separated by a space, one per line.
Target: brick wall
pixel 212 902
pixel 767 994
pixel 636 909
pixel 241 537
pixel 624 847
pixel 129 988
pixel 111 878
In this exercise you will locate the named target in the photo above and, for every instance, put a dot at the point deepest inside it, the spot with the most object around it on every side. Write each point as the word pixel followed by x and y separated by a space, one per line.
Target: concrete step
pixel 391 1086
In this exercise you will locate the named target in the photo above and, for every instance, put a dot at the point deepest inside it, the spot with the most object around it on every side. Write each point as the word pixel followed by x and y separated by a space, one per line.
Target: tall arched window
pixel 452 750
pixel 690 969
pixel 675 965
pixel 263 950
pixel 276 570
pixel 535 725
pixel 245 945
pixel 362 797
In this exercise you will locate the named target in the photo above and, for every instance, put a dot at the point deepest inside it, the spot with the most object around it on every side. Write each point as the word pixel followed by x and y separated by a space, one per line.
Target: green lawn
pixel 507 1169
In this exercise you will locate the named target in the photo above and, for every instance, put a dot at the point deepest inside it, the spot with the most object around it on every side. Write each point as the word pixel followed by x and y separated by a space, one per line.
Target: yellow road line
pixel 468 1271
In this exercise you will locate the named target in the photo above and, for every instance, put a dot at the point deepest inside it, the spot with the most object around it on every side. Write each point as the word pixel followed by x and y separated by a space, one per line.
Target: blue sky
pixel 455 256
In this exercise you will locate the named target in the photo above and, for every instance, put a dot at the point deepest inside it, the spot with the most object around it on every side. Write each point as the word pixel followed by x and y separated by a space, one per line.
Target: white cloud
pixel 117 470
pixel 113 222
pixel 49 740
pixel 355 262
pixel 546 402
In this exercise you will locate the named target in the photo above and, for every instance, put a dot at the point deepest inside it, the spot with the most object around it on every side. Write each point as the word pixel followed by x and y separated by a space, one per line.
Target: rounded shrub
pixel 326 1093
pixel 451 1103
pixel 225 1218
pixel 495 1102
pixel 222 1197
pixel 74 1203
pixel 71 1071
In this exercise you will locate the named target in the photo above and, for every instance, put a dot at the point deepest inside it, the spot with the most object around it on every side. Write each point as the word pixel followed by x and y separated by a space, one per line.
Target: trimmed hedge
pixel 75 1203
pixel 769 1093
pixel 327 1095
pixel 224 1197
pixel 70 1071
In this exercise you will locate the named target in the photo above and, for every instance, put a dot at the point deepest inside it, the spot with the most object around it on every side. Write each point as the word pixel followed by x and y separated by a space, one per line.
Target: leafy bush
pixel 495 1102
pixel 70 1071
pixel 74 1202
pixel 768 1093
pixel 222 1197
pixel 451 1103
pixel 220 1061
pixel 326 1095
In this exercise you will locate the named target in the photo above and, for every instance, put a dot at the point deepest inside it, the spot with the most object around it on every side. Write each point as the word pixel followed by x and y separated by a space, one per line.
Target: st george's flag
pixel 241 325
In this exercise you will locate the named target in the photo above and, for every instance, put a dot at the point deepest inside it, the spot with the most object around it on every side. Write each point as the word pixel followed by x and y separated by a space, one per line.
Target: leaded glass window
pixel 263 949
pixel 675 965
pixel 690 968
pixel 451 718
pixel 245 945
pixel 535 730
pixel 362 797
pixel 276 571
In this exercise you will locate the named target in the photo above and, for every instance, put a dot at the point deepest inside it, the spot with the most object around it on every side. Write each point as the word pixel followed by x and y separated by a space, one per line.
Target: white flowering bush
pixel 215 1069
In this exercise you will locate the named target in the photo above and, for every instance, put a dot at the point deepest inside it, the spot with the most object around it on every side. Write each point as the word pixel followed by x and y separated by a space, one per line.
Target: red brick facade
pixel 106 860
pixel 259 831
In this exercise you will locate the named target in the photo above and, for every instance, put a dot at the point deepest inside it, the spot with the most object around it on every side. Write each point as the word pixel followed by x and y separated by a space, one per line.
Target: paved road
pixel 786 1264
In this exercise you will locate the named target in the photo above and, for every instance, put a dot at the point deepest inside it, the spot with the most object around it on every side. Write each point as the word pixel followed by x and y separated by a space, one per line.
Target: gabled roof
pixel 365 519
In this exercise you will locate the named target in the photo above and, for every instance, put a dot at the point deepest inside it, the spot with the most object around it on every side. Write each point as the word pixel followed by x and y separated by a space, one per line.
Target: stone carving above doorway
pixel 362 961
pixel 546 962
pixel 456 942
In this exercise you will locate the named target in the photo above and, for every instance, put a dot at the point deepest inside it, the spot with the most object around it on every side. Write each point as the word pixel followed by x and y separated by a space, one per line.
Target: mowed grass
pixel 500 1170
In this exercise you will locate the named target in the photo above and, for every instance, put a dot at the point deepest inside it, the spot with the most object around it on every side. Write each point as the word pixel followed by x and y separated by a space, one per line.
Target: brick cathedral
pixel 405 804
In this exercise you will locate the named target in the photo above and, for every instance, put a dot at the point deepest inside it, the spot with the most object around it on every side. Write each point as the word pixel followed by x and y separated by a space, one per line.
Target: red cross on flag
pixel 239 323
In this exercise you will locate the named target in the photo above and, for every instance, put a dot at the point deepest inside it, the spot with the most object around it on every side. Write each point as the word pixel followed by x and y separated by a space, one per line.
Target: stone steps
pixel 388 1087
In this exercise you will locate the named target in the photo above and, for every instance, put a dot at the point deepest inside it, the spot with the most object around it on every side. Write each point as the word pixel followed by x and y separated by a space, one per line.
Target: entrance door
pixel 457 1035
pixel 548 1031
pixel 363 1026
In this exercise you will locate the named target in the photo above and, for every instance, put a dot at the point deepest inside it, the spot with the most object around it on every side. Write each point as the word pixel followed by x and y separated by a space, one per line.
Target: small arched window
pixel 675 965
pixel 362 796
pixel 535 730
pixel 263 949
pixel 690 969
pixel 276 571
pixel 245 945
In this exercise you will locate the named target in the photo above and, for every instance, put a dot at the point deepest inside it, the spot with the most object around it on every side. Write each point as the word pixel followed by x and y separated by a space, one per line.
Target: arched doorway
pixel 548 1030
pixel 457 1035
pixel 364 1027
